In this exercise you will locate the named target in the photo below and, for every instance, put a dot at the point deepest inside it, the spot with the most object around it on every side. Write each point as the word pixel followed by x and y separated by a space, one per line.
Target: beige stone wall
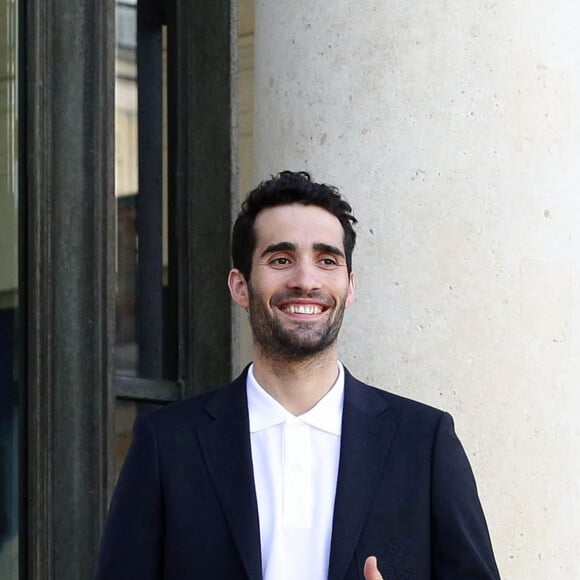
pixel 126 129
pixel 452 128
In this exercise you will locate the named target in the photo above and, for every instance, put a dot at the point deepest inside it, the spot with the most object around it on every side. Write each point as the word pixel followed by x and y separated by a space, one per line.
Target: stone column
pixel 451 127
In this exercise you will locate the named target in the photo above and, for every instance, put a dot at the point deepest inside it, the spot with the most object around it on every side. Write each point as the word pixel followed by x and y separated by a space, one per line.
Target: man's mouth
pixel 301 308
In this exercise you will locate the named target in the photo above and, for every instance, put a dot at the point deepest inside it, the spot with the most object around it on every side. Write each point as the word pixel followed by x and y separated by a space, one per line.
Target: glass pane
pixel 145 337
pixel 9 400
pixel 126 171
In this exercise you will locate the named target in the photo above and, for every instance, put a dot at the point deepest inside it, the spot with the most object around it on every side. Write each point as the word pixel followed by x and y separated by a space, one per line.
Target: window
pixel 87 361
pixel 145 352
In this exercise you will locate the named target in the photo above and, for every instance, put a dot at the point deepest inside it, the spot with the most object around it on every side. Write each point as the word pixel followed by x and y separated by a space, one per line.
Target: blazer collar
pixel 224 438
pixel 367 432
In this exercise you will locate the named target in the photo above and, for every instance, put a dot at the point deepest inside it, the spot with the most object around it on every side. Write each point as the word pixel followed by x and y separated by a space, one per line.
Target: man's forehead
pixel 297 223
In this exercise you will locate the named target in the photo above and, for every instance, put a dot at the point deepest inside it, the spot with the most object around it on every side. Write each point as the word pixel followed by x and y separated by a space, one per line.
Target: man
pixel 295 471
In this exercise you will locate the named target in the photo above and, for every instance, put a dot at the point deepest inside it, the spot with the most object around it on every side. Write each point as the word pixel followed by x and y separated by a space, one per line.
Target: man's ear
pixel 238 288
pixel 350 296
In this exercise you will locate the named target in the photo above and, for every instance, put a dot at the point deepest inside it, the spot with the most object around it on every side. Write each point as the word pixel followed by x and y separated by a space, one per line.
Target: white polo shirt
pixel 295 462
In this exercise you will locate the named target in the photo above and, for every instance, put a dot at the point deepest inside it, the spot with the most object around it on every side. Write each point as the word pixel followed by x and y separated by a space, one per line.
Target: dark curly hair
pixel 286 188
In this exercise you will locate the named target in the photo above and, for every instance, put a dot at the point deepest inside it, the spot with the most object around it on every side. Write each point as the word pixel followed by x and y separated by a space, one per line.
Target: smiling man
pixel 296 292
pixel 296 470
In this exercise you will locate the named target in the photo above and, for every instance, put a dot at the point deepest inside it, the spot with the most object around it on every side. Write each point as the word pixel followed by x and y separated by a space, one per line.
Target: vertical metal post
pixel 202 111
pixel 71 285
pixel 149 200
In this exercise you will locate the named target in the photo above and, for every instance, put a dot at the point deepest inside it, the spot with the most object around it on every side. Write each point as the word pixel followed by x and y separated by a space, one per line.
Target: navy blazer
pixel 185 504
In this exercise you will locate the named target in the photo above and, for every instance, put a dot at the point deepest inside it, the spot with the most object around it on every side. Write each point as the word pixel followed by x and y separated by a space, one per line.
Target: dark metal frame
pixel 70 276
pixel 203 173
pixel 149 305
pixel 69 164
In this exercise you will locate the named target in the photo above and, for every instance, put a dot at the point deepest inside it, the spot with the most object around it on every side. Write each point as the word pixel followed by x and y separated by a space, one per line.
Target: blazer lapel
pixel 225 442
pixel 366 436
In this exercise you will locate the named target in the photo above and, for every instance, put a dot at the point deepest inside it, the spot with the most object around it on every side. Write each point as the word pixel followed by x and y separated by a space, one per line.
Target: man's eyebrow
pixel 279 247
pixel 328 249
pixel 290 247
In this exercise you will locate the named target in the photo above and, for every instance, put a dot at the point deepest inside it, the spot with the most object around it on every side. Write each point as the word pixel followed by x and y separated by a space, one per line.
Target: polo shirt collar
pixel 265 411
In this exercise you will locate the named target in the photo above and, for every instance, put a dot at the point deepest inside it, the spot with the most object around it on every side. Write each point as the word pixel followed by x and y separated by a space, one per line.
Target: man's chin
pixel 302 347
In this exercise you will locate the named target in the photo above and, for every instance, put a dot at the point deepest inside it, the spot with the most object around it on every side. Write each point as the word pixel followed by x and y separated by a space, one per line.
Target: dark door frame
pixel 69 165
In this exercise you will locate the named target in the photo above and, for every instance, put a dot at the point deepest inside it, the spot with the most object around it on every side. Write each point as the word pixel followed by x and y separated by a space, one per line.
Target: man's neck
pixel 297 385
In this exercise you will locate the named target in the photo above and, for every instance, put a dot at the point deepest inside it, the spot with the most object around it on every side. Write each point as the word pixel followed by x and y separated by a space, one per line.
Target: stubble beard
pixel 299 341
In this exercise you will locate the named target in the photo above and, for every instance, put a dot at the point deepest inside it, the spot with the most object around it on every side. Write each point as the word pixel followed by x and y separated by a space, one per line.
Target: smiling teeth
pixel 303 309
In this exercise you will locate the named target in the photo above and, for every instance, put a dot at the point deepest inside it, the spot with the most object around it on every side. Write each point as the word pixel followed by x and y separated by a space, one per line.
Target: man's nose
pixel 305 276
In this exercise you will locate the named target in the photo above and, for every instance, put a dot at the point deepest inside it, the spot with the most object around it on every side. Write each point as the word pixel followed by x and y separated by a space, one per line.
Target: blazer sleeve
pixel 132 542
pixel 461 546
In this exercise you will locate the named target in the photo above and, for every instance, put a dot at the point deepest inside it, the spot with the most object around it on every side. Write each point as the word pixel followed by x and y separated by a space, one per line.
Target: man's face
pixel 299 284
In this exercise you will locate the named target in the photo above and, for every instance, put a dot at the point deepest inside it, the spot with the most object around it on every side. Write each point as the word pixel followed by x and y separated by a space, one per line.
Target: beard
pixel 293 340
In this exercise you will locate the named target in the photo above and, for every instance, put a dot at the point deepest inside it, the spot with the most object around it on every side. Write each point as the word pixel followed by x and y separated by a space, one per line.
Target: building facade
pixel 128 132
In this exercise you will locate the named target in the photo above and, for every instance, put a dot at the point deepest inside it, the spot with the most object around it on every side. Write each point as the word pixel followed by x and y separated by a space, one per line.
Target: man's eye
pixel 281 261
pixel 328 262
